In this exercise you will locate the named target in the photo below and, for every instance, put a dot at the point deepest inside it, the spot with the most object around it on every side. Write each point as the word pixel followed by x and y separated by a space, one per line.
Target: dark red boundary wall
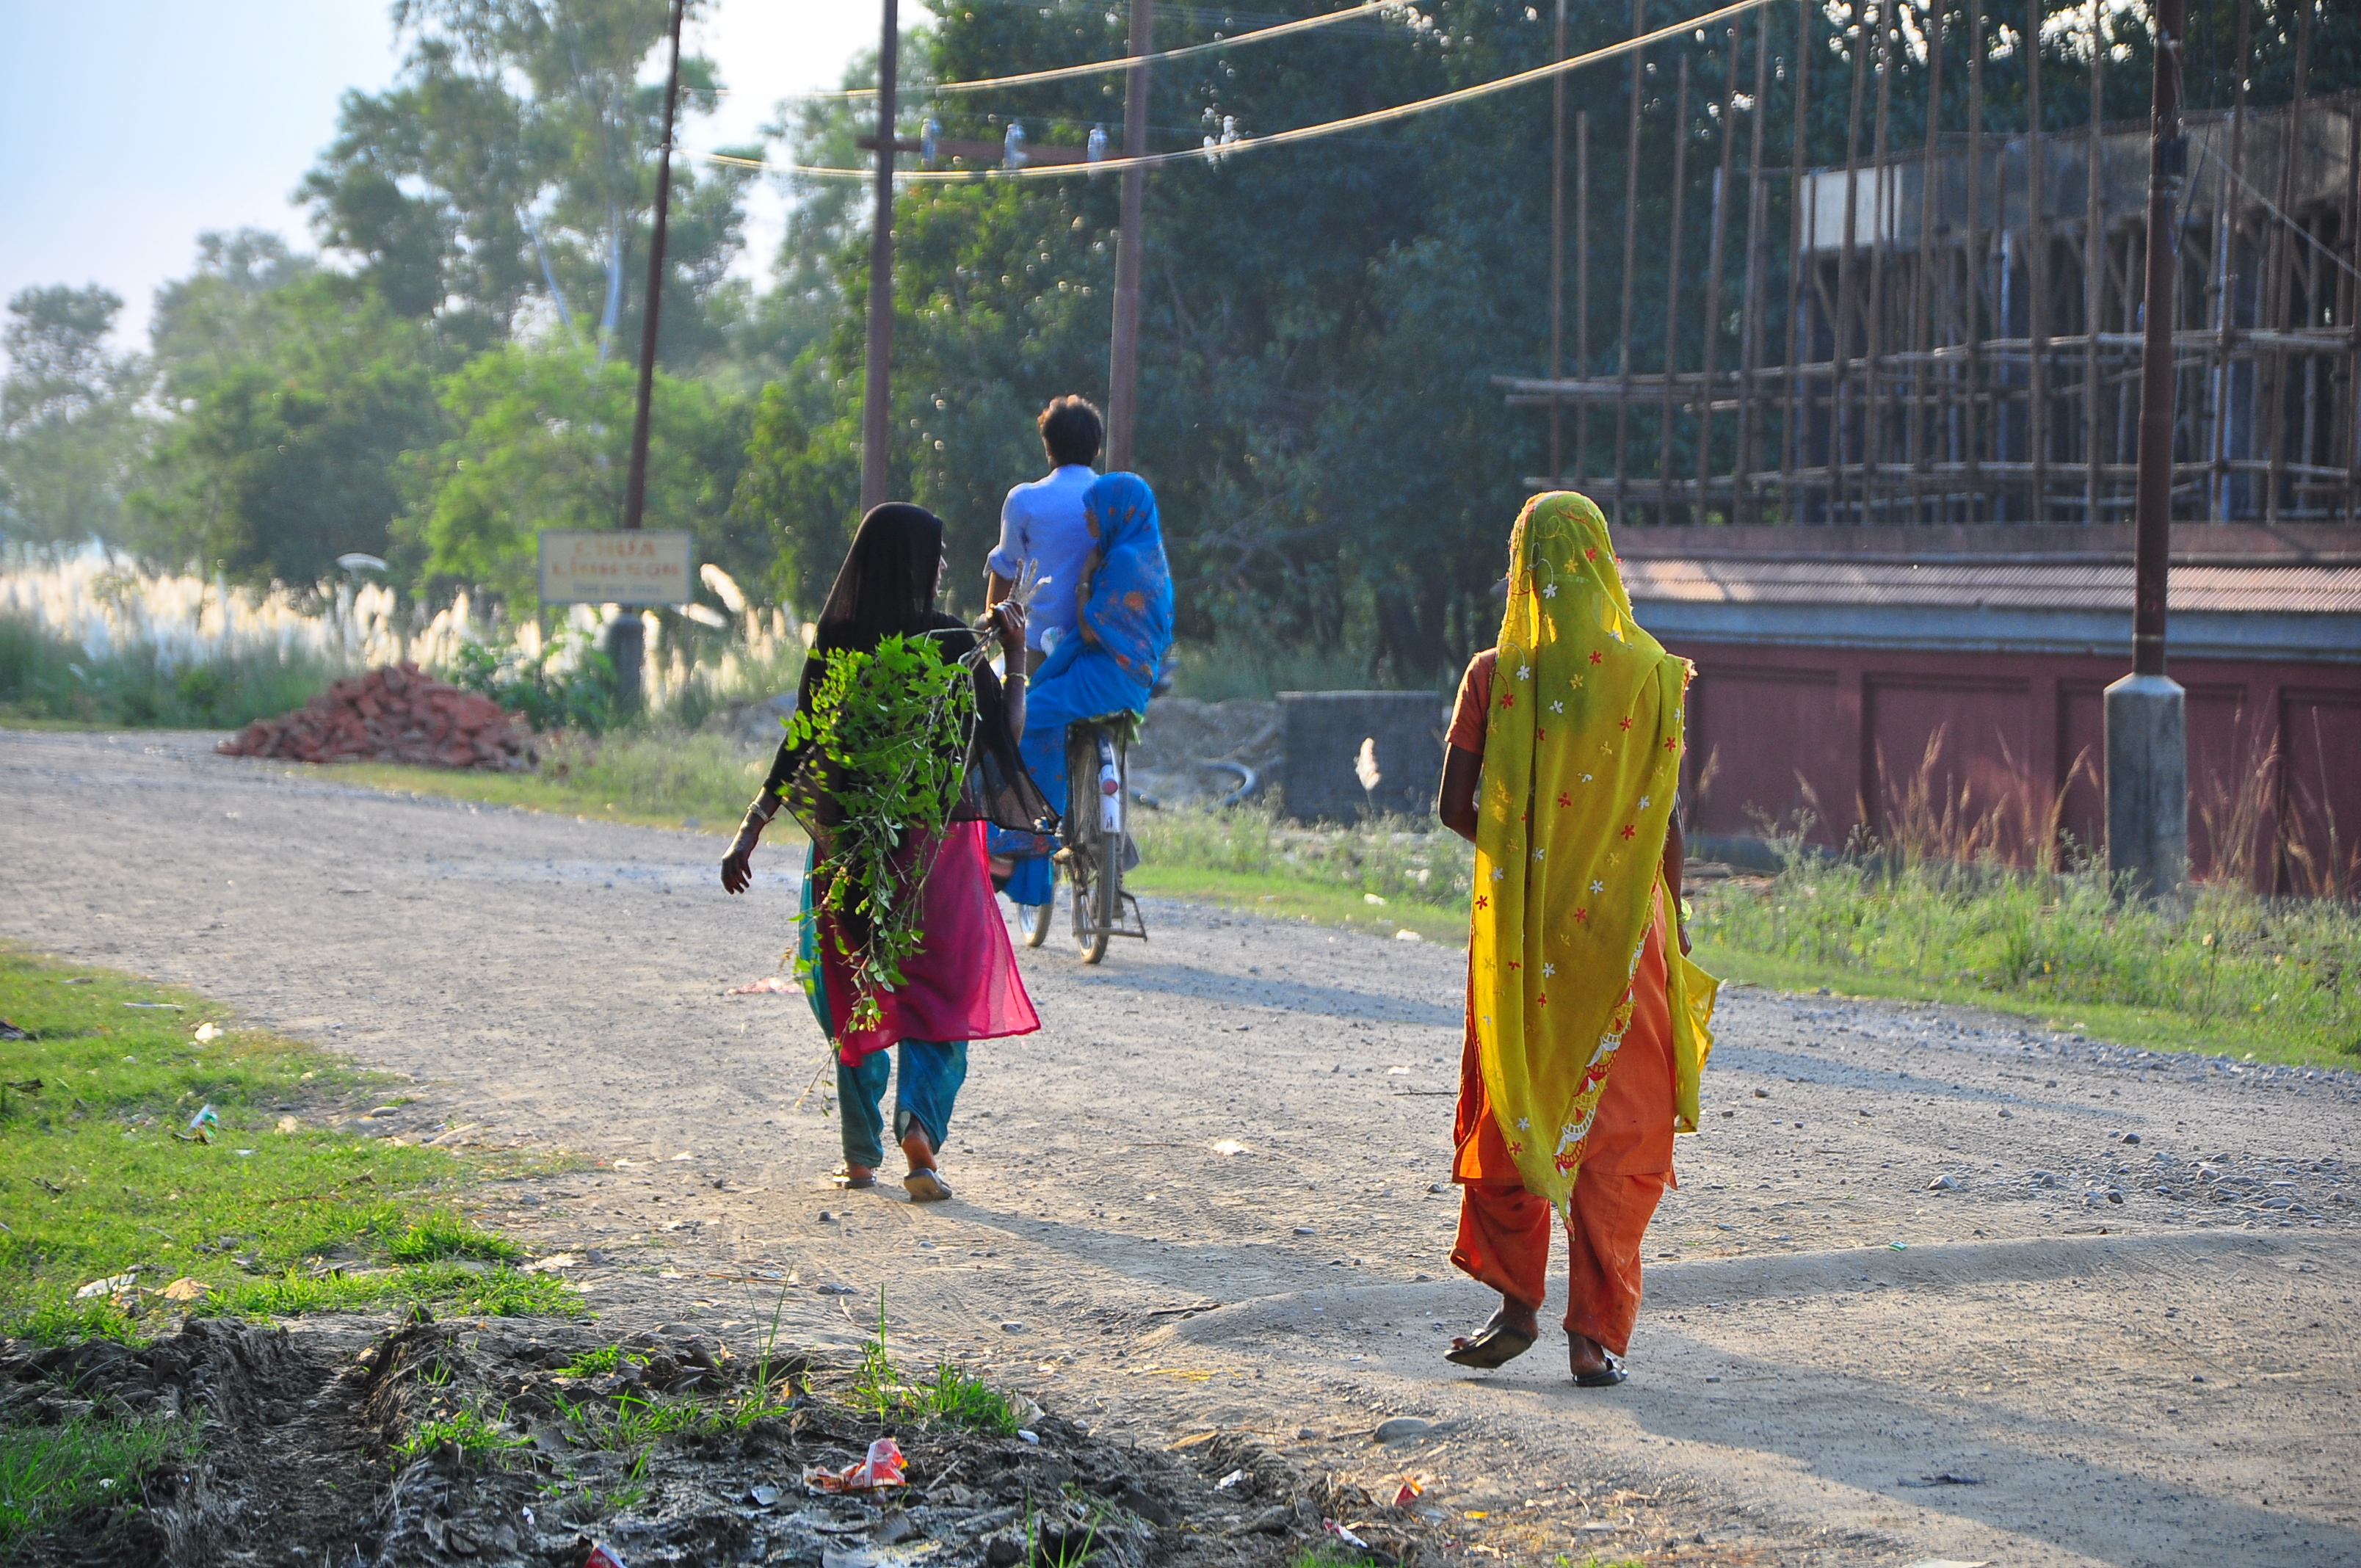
pixel 1844 734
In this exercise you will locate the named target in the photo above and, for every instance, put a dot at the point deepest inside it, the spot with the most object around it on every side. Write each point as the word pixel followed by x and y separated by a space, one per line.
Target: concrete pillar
pixel 2147 788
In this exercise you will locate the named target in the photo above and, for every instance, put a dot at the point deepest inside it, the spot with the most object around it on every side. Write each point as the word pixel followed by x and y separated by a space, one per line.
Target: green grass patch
pixel 2239 975
pixel 2276 979
pixel 951 1397
pixel 649 778
pixel 147 1153
pixel 479 1438
pixel 47 680
pixel 606 1359
pixel 49 1473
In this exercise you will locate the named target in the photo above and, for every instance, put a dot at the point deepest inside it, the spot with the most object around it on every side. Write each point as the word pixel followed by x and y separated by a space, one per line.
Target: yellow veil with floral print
pixel 1582 756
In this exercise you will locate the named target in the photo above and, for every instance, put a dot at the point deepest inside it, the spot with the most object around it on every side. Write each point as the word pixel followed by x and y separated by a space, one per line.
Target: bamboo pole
pixel 2224 359
pixel 1971 295
pixel 1713 273
pixel 1750 349
pixel 1582 285
pixel 1840 400
pixel 2037 271
pixel 1881 220
pixel 1790 435
pixel 1930 199
pixel 1673 291
pixel 1630 241
pixel 1557 242
pixel 2276 280
pixel 2094 263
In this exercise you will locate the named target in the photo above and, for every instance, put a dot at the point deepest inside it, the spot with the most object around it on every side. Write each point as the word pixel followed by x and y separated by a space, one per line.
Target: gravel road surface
pixel 1935 1285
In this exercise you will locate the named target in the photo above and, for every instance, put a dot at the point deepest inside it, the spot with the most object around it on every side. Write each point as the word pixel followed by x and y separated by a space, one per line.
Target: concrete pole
pixel 877 400
pixel 2148 733
pixel 627 639
pixel 1122 352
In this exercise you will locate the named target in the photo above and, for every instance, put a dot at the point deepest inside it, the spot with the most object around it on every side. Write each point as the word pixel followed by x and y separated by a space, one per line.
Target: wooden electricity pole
pixel 1123 352
pixel 626 642
pixel 877 406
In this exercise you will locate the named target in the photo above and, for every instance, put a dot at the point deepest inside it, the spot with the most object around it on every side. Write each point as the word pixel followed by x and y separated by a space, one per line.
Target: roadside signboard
pixel 641 566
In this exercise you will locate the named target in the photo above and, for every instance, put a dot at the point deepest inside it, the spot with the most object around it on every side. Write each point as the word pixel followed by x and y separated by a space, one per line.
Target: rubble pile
pixel 395 714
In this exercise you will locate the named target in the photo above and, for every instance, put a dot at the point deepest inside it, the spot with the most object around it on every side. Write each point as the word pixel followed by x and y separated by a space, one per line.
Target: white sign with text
pixel 642 566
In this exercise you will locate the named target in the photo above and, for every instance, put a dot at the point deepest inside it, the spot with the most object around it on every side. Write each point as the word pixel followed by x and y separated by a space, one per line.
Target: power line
pixel 1124 62
pixel 1275 139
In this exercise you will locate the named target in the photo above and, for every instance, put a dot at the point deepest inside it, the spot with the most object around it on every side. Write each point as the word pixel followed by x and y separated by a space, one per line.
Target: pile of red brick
pixel 396 714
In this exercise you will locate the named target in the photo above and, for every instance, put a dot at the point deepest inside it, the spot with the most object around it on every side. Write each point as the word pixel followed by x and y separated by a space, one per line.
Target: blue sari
pixel 1109 665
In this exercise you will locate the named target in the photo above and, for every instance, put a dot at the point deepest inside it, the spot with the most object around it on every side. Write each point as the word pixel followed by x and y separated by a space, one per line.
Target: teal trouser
pixel 927 1084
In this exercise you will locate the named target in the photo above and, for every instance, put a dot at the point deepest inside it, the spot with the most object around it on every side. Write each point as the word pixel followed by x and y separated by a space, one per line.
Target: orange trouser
pixel 1504 1230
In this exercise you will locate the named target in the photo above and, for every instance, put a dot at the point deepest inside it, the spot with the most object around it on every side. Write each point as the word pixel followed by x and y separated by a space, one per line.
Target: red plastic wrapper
pixel 882 1468
pixel 604 1556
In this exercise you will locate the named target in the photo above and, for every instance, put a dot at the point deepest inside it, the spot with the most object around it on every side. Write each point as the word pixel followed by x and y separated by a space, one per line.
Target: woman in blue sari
pixel 1108 667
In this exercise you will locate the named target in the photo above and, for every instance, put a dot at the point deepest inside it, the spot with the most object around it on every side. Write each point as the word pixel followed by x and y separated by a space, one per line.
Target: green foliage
pixel 43 676
pixel 101 1177
pixel 542 439
pixel 951 1398
pixel 568 685
pixel 479 1437
pixel 606 1359
pixel 49 1473
pixel 68 434
pixel 891 731
pixel 296 405
pixel 441 1234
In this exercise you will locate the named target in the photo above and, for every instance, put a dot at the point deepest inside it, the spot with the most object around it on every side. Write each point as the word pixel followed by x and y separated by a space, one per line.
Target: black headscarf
pixel 886 587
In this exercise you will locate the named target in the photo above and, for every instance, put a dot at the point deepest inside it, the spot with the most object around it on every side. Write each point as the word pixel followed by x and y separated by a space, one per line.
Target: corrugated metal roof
pixel 2282 590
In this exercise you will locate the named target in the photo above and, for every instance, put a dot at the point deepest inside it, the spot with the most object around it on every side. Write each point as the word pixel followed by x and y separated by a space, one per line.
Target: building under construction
pixel 1962 342
pixel 1902 394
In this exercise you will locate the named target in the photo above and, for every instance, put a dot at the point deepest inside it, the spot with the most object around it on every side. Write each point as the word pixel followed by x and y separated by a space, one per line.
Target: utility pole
pixel 2148 733
pixel 1123 352
pixel 627 639
pixel 877 406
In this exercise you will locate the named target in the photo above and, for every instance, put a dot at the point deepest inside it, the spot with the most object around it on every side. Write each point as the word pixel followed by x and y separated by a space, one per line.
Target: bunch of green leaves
pixel 568 686
pixel 889 733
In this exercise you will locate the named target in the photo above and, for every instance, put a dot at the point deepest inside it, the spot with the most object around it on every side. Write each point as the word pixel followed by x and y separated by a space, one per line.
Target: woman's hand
pixel 1681 928
pixel 1010 617
pixel 737 868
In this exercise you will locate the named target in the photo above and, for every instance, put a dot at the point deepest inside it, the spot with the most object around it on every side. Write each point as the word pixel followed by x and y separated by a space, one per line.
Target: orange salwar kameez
pixel 1504 1230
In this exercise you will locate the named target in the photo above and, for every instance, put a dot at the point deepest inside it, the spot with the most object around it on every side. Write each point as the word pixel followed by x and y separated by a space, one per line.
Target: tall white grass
pixel 106 605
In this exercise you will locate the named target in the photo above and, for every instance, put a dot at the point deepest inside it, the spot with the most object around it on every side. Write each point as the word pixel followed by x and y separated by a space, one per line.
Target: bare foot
pixel 856 1176
pixel 917 1150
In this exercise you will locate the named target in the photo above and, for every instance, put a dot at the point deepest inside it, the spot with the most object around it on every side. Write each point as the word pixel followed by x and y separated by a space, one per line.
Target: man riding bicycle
pixel 1105 623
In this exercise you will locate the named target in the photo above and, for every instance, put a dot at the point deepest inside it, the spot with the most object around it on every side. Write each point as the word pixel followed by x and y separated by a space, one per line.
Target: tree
pixel 540 438
pixel 509 172
pixel 295 395
pixel 68 434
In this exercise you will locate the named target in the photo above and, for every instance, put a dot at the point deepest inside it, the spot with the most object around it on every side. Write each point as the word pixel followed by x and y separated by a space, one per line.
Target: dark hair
pixel 1071 431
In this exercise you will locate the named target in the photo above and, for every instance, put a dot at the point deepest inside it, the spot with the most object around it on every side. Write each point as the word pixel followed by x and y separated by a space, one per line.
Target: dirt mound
pixel 509 1443
pixel 395 713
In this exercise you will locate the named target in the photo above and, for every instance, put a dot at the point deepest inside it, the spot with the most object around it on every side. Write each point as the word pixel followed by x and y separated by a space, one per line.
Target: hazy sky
pixel 133 125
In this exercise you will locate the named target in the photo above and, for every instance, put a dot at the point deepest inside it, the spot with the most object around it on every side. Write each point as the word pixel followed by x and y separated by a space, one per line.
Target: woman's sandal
pixel 1605 1376
pixel 845 1179
pixel 1496 1345
pixel 926 1186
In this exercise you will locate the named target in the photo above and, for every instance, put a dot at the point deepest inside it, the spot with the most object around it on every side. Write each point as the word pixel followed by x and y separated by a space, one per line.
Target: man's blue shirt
pixel 1042 519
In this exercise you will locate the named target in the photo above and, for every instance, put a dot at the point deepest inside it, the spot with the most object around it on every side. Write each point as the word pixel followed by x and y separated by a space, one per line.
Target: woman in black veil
pixel 963 984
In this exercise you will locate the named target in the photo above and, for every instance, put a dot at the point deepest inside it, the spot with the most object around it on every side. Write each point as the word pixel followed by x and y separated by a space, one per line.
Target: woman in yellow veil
pixel 1587 1024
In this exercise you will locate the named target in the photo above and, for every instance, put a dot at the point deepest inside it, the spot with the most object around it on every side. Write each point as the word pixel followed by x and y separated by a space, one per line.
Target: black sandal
pixel 1495 1346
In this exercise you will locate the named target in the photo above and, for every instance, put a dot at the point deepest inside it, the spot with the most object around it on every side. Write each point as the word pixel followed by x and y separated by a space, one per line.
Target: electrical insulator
pixel 1012 147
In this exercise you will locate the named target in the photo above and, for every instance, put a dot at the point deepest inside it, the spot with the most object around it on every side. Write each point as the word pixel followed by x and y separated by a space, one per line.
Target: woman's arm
pixel 1455 802
pixel 1011 618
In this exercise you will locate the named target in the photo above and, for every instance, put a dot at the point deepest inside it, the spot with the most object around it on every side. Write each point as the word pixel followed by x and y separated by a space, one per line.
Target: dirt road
pixel 1202 1197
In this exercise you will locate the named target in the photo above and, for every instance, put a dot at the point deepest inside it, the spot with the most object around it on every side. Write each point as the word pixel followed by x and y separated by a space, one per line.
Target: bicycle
pixel 1098 849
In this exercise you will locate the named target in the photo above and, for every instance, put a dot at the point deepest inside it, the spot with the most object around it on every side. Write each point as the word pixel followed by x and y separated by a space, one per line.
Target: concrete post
pixel 2147 788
